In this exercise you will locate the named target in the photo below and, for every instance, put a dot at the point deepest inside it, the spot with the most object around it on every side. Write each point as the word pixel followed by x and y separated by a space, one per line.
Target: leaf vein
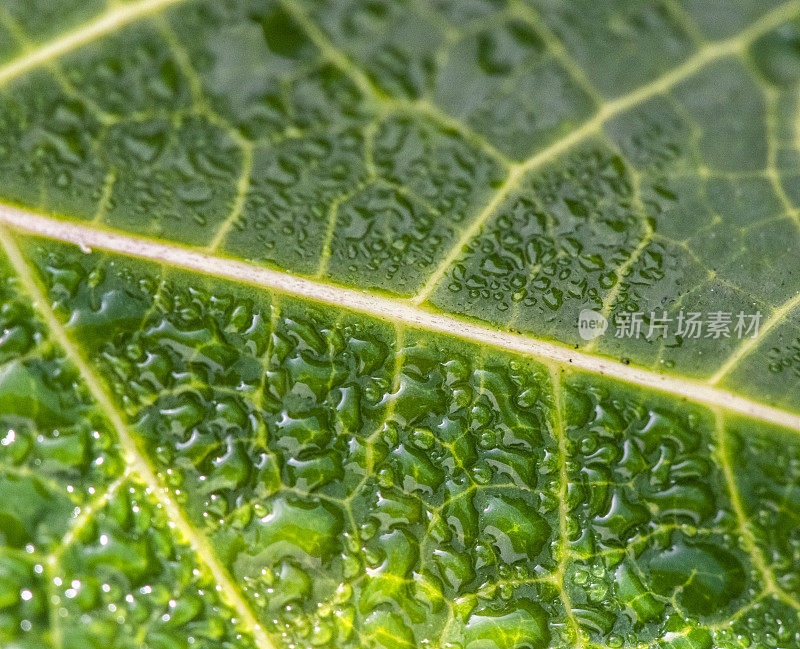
pixel 106 23
pixel 387 309
pixel 135 459
pixel 705 56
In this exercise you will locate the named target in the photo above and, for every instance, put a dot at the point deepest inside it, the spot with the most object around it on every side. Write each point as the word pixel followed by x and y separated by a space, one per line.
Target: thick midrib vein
pixel 385 308
pixel 119 16
pixel 134 458
pixel 517 172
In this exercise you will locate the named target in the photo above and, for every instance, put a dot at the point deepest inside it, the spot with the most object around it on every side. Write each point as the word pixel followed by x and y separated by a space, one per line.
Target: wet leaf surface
pixel 188 460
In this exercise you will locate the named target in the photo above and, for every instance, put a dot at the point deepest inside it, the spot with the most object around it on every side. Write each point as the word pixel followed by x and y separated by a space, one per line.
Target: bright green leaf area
pixel 364 485
pixel 188 462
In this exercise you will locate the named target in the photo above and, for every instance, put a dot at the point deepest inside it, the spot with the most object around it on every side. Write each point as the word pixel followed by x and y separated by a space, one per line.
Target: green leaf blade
pixel 312 375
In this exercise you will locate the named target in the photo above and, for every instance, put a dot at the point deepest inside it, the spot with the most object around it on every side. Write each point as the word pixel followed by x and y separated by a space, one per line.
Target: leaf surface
pixel 312 374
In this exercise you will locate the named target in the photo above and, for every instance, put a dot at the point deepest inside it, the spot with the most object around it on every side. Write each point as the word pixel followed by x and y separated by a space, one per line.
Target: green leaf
pixel 290 351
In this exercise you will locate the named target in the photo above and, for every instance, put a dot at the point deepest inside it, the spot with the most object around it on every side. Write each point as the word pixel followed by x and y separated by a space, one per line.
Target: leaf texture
pixel 312 375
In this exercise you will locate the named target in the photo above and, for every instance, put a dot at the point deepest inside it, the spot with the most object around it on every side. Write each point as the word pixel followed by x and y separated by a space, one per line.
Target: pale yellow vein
pixel 97 27
pixel 703 57
pixel 135 459
pixel 385 308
